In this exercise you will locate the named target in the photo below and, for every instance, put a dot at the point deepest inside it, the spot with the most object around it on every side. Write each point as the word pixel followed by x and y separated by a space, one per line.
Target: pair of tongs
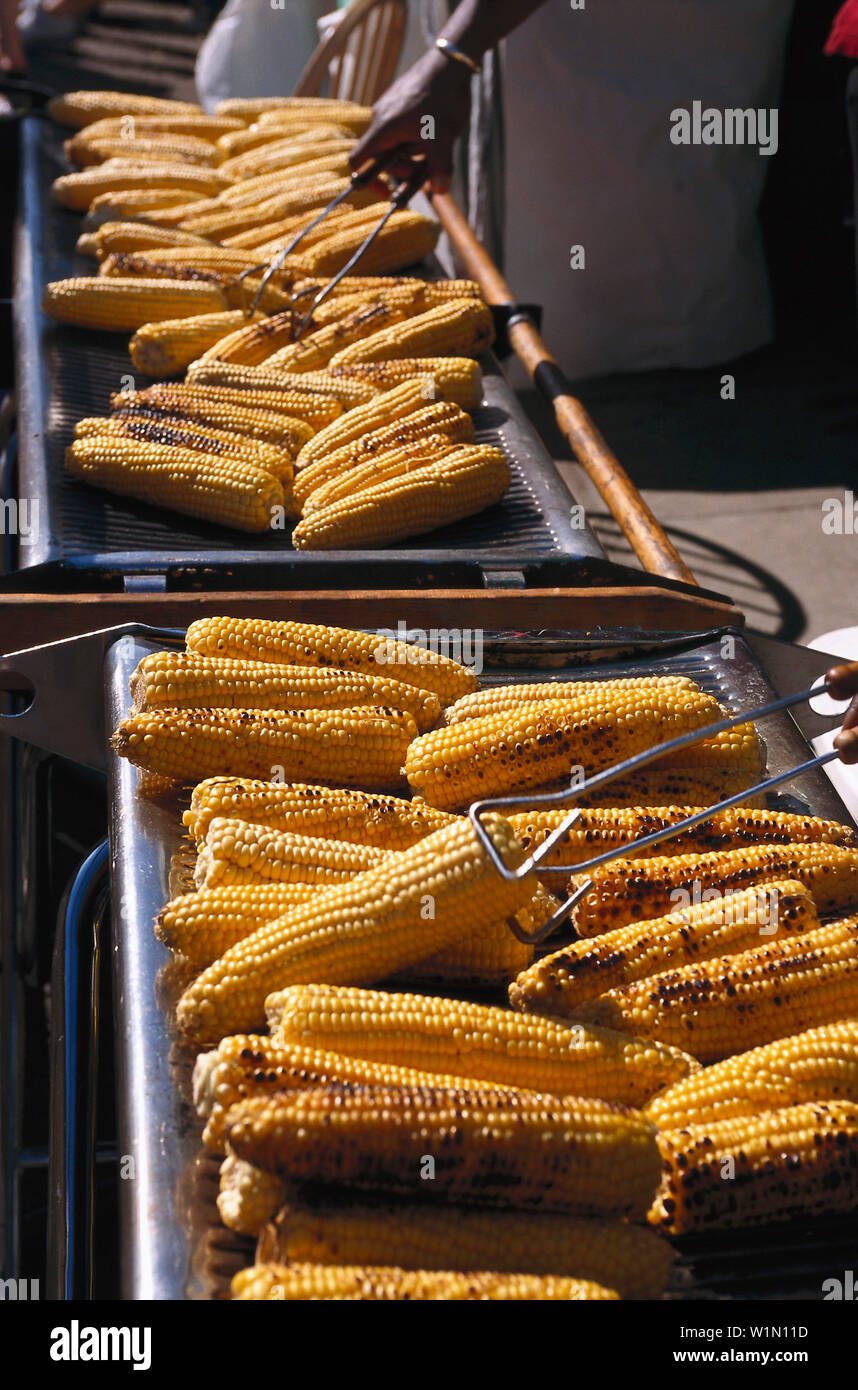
pixel 535 861
pixel 401 195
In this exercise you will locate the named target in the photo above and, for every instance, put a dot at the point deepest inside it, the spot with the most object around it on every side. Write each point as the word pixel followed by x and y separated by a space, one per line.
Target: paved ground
pixel 739 484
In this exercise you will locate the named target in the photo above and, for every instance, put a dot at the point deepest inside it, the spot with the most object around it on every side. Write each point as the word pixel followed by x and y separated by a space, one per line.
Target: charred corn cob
pixel 363 929
pixel 397 462
pixel 314 409
pixel 415 296
pixel 229 490
pixel 456 379
pixel 315 351
pixel 87 150
pixel 311 644
pixel 167 348
pixel 84 107
pixel 628 1258
pixel 676 786
pixel 560 982
pixel 360 818
pixel 123 305
pixel 817 1064
pixel 189 680
pixel 629 890
pixel 408 434
pixel 78 191
pixel 251 343
pixel 797 1162
pixel 247 1065
pixel 236 852
pixel 269 426
pixel 349 393
pixel 353 746
pixel 463 327
pixel 601 828
pixel 474 1040
pixel 383 1285
pixel 381 411
pixel 185 435
pixel 436 494
pixel 735 1002
pixel 513 1148
pixel 453 766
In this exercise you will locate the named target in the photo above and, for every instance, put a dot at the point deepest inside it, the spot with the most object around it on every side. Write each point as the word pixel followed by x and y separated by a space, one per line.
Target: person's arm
pixel 427 107
pixel 844 682
pixel 11 55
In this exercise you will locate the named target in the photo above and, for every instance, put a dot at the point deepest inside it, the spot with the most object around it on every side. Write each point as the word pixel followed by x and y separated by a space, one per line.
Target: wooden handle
pixel 639 525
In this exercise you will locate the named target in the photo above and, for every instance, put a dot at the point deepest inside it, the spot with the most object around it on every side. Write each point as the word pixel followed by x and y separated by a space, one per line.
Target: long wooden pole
pixel 638 523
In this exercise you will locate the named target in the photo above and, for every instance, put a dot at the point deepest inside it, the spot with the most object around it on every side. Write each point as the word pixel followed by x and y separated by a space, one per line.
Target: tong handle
pixel 842 681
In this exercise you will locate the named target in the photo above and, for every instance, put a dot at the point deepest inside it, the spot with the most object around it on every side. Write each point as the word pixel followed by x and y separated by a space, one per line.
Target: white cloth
pixel 254 50
pixel 674 266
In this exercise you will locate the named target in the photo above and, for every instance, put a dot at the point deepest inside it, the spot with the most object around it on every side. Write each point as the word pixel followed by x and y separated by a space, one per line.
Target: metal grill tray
pixel 172 1244
pixel 65 374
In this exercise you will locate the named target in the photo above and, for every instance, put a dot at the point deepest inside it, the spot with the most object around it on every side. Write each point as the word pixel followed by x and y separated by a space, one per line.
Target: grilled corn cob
pixel 310 644
pixel 512 1149
pixel 406 238
pixel 78 191
pixel 359 818
pixel 463 327
pixel 201 926
pixel 628 1258
pixel 629 890
pixel 349 393
pixel 246 1065
pixel 249 137
pixel 453 766
pixel 281 154
pixel 139 236
pixel 227 490
pixel 131 204
pixel 353 746
pixel 456 379
pixel 185 435
pixel 270 426
pixel 396 462
pixel 416 296
pixel 270 110
pixel 84 107
pixel 236 852
pixel 124 305
pixel 474 1040
pixel 251 343
pixel 414 904
pixel 601 828
pixel 817 1064
pixel 675 786
pixel 408 434
pixel 381 411
pixel 188 680
pixel 129 125
pixel 436 494
pixel 167 348
pixel 384 1285
pixel 560 982
pixel 512 697
pixel 86 151
pixel 735 1002
pixel 240 209
pixel 797 1162
pixel 314 409
pixel 315 351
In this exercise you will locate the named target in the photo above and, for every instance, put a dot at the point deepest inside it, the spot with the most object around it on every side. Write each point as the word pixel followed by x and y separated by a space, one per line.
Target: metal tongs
pixel 402 194
pixel 535 860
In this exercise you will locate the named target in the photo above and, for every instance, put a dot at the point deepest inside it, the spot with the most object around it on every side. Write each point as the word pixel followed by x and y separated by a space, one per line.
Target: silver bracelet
pixel 451 51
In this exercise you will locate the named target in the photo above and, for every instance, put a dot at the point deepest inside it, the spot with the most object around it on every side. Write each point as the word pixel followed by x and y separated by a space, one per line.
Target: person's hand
pixel 11 54
pixel 423 113
pixel 843 682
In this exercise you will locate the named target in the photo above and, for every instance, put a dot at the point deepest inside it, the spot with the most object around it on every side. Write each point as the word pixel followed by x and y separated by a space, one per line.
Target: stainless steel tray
pixel 65 374
pixel 172 1246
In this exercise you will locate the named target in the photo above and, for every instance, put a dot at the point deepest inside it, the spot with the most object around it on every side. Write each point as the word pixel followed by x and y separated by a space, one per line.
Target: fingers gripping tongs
pixel 536 861
pixel 401 195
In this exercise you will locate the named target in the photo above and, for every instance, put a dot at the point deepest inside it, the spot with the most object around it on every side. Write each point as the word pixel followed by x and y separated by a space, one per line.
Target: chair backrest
pixel 359 58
